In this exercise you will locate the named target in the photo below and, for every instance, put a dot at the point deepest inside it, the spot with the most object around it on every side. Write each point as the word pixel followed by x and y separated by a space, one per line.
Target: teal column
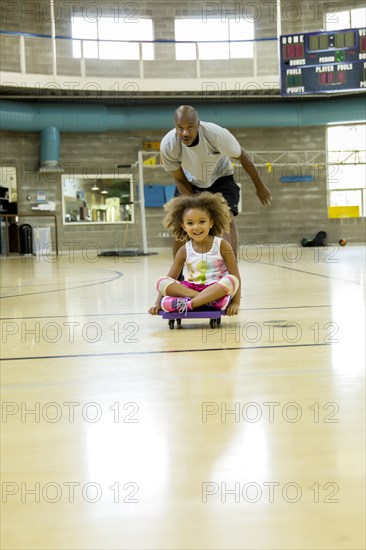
pixel 50 147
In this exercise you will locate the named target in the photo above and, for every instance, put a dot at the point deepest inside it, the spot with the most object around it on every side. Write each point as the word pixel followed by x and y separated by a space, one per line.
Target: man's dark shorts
pixel 227 187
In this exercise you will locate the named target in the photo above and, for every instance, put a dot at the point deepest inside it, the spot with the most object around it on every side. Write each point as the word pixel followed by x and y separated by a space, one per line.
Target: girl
pixel 213 275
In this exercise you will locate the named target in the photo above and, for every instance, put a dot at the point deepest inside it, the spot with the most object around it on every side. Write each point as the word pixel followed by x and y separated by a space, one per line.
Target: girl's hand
pixel 154 310
pixel 232 309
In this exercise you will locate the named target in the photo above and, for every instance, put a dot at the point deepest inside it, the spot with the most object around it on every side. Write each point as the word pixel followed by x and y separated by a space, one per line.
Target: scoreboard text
pixel 325 62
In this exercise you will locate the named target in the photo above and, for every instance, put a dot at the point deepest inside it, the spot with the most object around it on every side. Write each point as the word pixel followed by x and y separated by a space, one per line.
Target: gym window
pixel 348 19
pixel 107 38
pixel 346 161
pixel 210 31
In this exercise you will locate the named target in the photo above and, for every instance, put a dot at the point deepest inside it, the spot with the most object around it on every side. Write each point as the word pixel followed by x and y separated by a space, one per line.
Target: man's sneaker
pixel 172 304
pixel 222 303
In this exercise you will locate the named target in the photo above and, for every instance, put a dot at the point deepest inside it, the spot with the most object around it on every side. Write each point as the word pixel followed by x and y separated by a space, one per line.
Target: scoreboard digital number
pixel 324 62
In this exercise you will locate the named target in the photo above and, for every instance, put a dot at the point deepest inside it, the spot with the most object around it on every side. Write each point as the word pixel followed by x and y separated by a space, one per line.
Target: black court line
pixel 129 313
pixel 119 275
pixel 309 272
pixel 159 352
pixel 28 285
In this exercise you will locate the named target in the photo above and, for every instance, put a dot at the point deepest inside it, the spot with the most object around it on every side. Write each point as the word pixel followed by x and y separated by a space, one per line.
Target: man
pixel 198 156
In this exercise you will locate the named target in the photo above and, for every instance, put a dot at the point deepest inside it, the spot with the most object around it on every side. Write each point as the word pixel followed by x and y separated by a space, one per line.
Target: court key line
pixel 119 275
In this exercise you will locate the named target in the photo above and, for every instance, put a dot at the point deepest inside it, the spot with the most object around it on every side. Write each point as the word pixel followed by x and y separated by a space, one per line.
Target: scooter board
pixel 213 314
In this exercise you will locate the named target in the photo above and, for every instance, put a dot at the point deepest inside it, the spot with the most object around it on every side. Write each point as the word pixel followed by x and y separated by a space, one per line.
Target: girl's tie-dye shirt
pixel 205 267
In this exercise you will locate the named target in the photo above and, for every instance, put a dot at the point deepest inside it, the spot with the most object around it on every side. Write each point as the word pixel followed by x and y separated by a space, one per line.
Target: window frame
pixel 361 188
pixel 81 187
pixel 202 44
pixel 329 27
pixel 79 43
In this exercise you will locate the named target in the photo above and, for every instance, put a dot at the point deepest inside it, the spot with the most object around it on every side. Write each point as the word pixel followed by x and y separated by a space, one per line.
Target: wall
pixel 34 15
pixel 298 210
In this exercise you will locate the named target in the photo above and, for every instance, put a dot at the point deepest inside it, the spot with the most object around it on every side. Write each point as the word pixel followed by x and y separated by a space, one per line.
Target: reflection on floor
pixel 118 433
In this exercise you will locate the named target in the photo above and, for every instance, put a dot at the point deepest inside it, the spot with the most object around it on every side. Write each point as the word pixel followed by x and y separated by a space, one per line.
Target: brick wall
pixel 298 210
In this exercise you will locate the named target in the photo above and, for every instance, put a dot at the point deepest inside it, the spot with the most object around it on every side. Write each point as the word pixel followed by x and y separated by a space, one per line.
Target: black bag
pixel 319 240
pixel 26 239
pixel 13 237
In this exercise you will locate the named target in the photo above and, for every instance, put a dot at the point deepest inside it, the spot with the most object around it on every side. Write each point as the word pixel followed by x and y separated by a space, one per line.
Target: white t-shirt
pixel 205 162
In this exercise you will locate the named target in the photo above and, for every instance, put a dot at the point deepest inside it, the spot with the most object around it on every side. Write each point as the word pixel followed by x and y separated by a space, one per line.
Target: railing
pixel 34 54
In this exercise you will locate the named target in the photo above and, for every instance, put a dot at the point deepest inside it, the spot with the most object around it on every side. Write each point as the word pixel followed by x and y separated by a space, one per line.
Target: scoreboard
pixel 325 62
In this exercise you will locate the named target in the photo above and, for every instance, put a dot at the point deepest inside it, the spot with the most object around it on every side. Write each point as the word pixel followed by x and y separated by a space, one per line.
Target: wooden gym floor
pixel 118 433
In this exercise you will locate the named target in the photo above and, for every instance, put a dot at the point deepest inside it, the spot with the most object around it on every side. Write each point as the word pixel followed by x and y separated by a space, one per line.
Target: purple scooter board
pixel 213 314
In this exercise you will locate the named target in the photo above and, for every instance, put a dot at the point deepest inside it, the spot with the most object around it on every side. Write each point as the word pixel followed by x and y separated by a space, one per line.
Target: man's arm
pixel 170 160
pixel 183 185
pixel 262 191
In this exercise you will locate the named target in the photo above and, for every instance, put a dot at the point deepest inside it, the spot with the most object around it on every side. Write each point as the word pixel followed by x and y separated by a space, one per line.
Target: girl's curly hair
pixel 214 204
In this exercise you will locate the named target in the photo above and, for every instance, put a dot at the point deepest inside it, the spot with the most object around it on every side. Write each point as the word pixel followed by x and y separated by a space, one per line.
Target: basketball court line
pixel 161 352
pixel 12 287
pixel 119 275
pixel 309 272
pixel 157 352
pixel 129 313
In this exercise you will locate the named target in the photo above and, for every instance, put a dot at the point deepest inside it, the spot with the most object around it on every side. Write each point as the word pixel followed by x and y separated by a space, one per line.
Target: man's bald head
pixel 186 112
pixel 186 123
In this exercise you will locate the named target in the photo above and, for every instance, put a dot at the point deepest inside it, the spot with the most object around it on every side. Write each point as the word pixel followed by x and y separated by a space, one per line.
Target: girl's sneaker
pixel 172 304
pixel 222 303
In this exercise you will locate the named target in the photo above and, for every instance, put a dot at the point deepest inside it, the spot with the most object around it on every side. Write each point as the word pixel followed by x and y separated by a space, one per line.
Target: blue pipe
pixel 25 117
pixel 50 146
pixel 51 119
